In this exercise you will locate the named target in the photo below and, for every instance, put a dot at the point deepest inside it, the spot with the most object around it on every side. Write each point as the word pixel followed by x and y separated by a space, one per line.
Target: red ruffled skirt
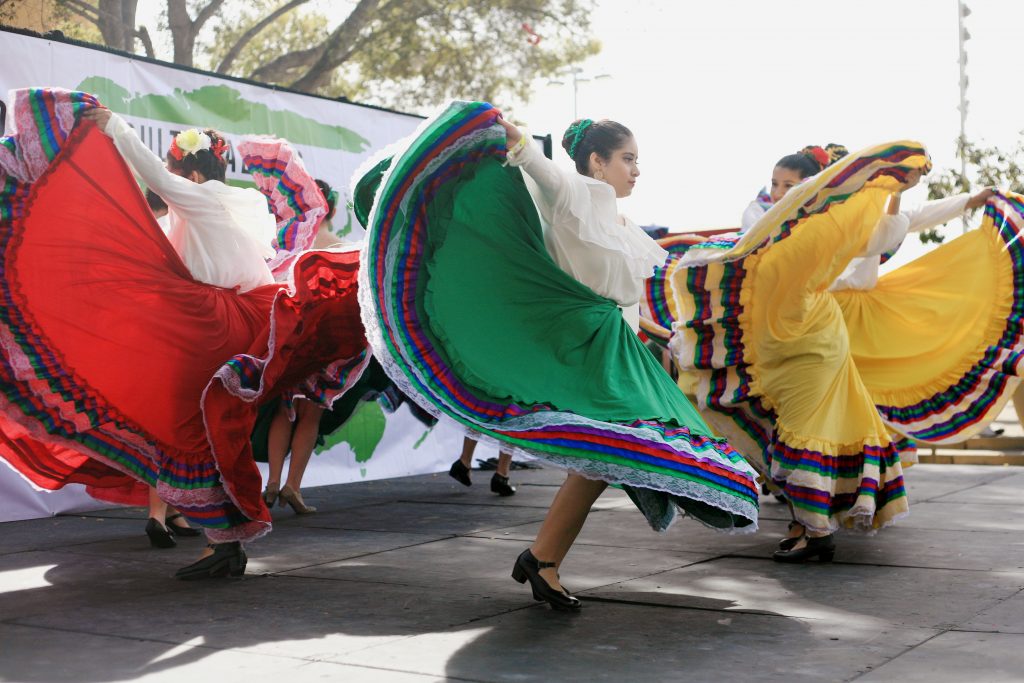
pixel 119 370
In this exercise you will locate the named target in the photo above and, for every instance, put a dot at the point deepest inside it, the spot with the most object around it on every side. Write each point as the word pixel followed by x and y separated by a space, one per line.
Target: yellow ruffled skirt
pixel 812 385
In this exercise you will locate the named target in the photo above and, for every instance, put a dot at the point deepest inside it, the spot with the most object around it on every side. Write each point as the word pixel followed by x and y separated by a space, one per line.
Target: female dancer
pixel 790 171
pixel 813 380
pixel 200 334
pixel 295 426
pixel 527 335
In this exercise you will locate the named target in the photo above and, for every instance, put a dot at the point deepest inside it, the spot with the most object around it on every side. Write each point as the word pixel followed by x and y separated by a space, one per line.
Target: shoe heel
pixel 519 574
pixel 236 567
pixel 159 536
pixel 826 555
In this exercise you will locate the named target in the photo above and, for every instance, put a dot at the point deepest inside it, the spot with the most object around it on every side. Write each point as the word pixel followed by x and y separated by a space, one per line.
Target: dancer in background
pixel 527 335
pixel 790 171
pixel 460 469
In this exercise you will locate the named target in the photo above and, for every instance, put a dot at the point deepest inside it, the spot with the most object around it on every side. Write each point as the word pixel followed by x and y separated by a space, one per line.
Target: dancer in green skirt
pixel 503 292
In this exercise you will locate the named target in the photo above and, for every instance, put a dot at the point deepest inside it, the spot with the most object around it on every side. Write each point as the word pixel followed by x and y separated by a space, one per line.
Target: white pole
pixel 961 11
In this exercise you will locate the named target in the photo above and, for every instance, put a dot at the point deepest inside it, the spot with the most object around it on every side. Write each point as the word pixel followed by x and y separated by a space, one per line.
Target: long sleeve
pixel 179 192
pixel 222 233
pixel 934 213
pixel 862 273
pixel 559 190
pixel 583 232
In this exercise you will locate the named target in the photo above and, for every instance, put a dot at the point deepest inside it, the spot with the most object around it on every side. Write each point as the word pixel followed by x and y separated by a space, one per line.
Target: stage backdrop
pixel 333 137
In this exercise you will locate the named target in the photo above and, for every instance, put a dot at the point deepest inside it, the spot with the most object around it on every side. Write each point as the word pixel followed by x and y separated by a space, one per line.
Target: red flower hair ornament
pixel 818 154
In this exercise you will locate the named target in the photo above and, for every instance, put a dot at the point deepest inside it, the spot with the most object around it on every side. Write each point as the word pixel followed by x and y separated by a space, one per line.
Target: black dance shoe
pixel 790 541
pixel 460 473
pixel 159 536
pixel 500 485
pixel 228 559
pixel 821 547
pixel 527 568
pixel 183 531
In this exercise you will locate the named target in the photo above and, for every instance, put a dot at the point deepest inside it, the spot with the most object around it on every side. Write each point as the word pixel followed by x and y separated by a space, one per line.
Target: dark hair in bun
pixel 585 137
pixel 212 165
pixel 330 195
pixel 812 159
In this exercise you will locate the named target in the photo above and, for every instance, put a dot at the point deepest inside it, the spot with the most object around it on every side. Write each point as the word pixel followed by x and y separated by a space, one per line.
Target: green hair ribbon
pixel 577 131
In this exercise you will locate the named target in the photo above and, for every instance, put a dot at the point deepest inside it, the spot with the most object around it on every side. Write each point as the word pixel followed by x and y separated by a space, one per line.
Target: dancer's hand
pixel 512 134
pixel 978 200
pixel 99 116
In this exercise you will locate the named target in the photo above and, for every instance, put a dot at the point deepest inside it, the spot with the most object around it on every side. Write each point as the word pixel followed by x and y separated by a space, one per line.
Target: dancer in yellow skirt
pixel 778 361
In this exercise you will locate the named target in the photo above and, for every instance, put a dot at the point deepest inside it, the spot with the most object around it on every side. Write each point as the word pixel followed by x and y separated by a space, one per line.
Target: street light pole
pixel 576 73
pixel 963 36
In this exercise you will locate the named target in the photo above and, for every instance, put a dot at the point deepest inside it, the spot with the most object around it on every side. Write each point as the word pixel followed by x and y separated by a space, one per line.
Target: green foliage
pixel 467 49
pixel 989 166
pixel 416 54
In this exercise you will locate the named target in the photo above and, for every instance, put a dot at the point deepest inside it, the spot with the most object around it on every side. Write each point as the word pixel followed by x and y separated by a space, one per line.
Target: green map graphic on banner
pixel 363 433
pixel 224 108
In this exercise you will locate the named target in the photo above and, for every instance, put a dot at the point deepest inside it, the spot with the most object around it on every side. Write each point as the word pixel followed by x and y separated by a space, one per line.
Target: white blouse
pixel 222 233
pixel 584 234
pixel 862 272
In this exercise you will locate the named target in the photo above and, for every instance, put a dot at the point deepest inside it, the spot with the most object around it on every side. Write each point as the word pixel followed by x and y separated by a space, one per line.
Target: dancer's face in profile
pixel 782 180
pixel 620 170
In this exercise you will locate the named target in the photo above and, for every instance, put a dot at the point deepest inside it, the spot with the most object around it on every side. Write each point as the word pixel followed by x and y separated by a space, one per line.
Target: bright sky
pixel 716 92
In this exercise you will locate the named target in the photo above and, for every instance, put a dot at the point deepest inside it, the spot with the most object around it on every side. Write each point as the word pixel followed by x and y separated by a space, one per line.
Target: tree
pixel 990 167
pixel 393 52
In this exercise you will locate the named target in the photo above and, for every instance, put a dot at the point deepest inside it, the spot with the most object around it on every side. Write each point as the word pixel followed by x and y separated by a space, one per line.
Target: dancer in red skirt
pixel 130 358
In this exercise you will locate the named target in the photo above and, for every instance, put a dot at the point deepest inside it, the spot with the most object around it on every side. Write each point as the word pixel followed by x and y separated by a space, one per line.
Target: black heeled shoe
pixel 460 473
pixel 527 568
pixel 159 535
pixel 183 531
pixel 821 547
pixel 228 559
pixel 790 541
pixel 500 485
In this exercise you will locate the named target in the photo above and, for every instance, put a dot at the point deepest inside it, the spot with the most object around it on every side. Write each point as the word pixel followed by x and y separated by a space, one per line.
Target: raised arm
pixel 559 190
pixel 178 192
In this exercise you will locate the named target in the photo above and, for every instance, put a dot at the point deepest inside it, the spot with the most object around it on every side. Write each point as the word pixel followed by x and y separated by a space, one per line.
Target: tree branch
pixel 278 69
pixel 205 14
pixel 147 43
pixel 338 46
pixel 82 9
pixel 254 30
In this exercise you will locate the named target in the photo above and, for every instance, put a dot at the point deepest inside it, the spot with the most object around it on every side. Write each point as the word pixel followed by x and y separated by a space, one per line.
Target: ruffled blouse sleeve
pixel 222 233
pixel 585 210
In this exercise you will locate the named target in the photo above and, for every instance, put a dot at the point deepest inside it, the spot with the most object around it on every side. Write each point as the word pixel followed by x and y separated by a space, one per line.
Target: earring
pixel 599 175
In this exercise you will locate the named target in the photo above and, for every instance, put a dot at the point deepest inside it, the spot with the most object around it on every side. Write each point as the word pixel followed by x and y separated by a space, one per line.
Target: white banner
pixel 334 138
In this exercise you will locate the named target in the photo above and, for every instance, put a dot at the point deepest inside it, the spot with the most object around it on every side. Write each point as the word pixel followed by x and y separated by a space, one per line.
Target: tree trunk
pixel 116 22
pixel 184 29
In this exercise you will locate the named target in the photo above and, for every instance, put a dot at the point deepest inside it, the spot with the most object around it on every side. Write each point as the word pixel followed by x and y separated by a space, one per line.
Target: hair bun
pixel 819 155
pixel 574 134
pixel 835 152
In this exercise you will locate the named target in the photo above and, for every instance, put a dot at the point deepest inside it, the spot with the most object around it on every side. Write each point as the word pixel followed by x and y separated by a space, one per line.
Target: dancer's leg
pixel 307 427
pixel 157 507
pixel 504 463
pixel 278 441
pixel 564 521
pixel 468 448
